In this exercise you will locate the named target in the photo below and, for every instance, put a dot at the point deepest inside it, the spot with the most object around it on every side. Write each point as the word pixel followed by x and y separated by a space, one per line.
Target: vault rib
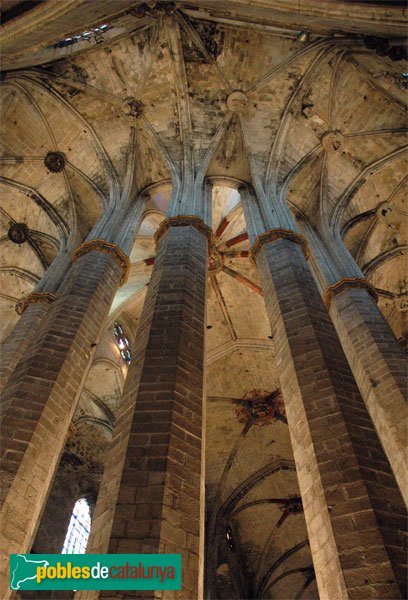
pixel 224 309
pixel 183 104
pixel 285 556
pixel 371 80
pixel 46 206
pixel 279 141
pixel 333 89
pixel 33 102
pixel 375 132
pixel 262 81
pixel 109 171
pixel 150 61
pixel 373 264
pixel 242 279
pixel 16 159
pixel 194 36
pixel 345 197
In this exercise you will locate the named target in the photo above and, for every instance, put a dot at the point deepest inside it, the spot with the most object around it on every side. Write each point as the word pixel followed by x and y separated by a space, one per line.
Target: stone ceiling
pixel 320 119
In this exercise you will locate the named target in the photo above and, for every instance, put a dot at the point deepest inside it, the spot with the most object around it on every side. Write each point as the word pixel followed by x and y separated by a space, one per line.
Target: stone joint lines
pixel 184 221
pixel 113 250
pixel 276 234
pixel 34 298
pixel 347 282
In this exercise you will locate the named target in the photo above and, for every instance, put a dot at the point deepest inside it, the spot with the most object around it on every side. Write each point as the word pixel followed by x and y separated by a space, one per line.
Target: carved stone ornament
pixel 215 260
pixel 55 161
pixel 237 101
pixel 113 250
pixel 18 233
pixel 277 234
pixel 332 141
pixel 133 108
pixel 292 504
pixel 401 303
pixel 347 282
pixel 72 429
pixel 34 298
pixel 184 221
pixel 154 9
pixel 261 408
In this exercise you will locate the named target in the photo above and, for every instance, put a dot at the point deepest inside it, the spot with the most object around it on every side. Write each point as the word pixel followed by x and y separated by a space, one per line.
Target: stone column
pixel 151 493
pixel 41 397
pixel 376 358
pixel 353 509
pixel 378 363
pixel 32 309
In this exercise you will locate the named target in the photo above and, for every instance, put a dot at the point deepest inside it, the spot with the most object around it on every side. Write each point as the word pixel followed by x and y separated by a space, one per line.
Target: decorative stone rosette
pixel 261 408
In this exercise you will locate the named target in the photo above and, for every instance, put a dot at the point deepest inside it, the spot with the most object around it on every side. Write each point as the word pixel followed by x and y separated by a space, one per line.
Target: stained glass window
pixel 95 33
pixel 122 343
pixel 78 529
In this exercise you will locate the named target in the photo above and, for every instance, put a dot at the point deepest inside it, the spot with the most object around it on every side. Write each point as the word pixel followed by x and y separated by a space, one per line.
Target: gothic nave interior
pixel 204 291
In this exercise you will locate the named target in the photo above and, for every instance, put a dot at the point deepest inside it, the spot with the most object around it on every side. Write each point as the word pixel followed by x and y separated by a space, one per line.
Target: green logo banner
pixel 95 571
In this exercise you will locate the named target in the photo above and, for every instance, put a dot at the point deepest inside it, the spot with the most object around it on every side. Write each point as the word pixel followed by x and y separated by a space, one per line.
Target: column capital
pixel 347 282
pixel 278 233
pixel 34 298
pixel 184 221
pixel 105 247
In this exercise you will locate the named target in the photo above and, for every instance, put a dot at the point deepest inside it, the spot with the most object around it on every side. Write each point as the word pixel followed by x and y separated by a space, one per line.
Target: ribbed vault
pixel 146 110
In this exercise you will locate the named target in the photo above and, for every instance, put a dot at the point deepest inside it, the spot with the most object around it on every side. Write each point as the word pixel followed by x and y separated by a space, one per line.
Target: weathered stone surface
pixel 140 106
pixel 380 369
pixel 42 396
pixel 151 493
pixel 17 344
pixel 336 447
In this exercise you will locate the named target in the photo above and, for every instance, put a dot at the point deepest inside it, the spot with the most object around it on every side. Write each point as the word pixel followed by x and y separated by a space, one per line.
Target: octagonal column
pixel 42 394
pixel 343 474
pixel 32 309
pixel 378 363
pixel 151 495
pixel 375 356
